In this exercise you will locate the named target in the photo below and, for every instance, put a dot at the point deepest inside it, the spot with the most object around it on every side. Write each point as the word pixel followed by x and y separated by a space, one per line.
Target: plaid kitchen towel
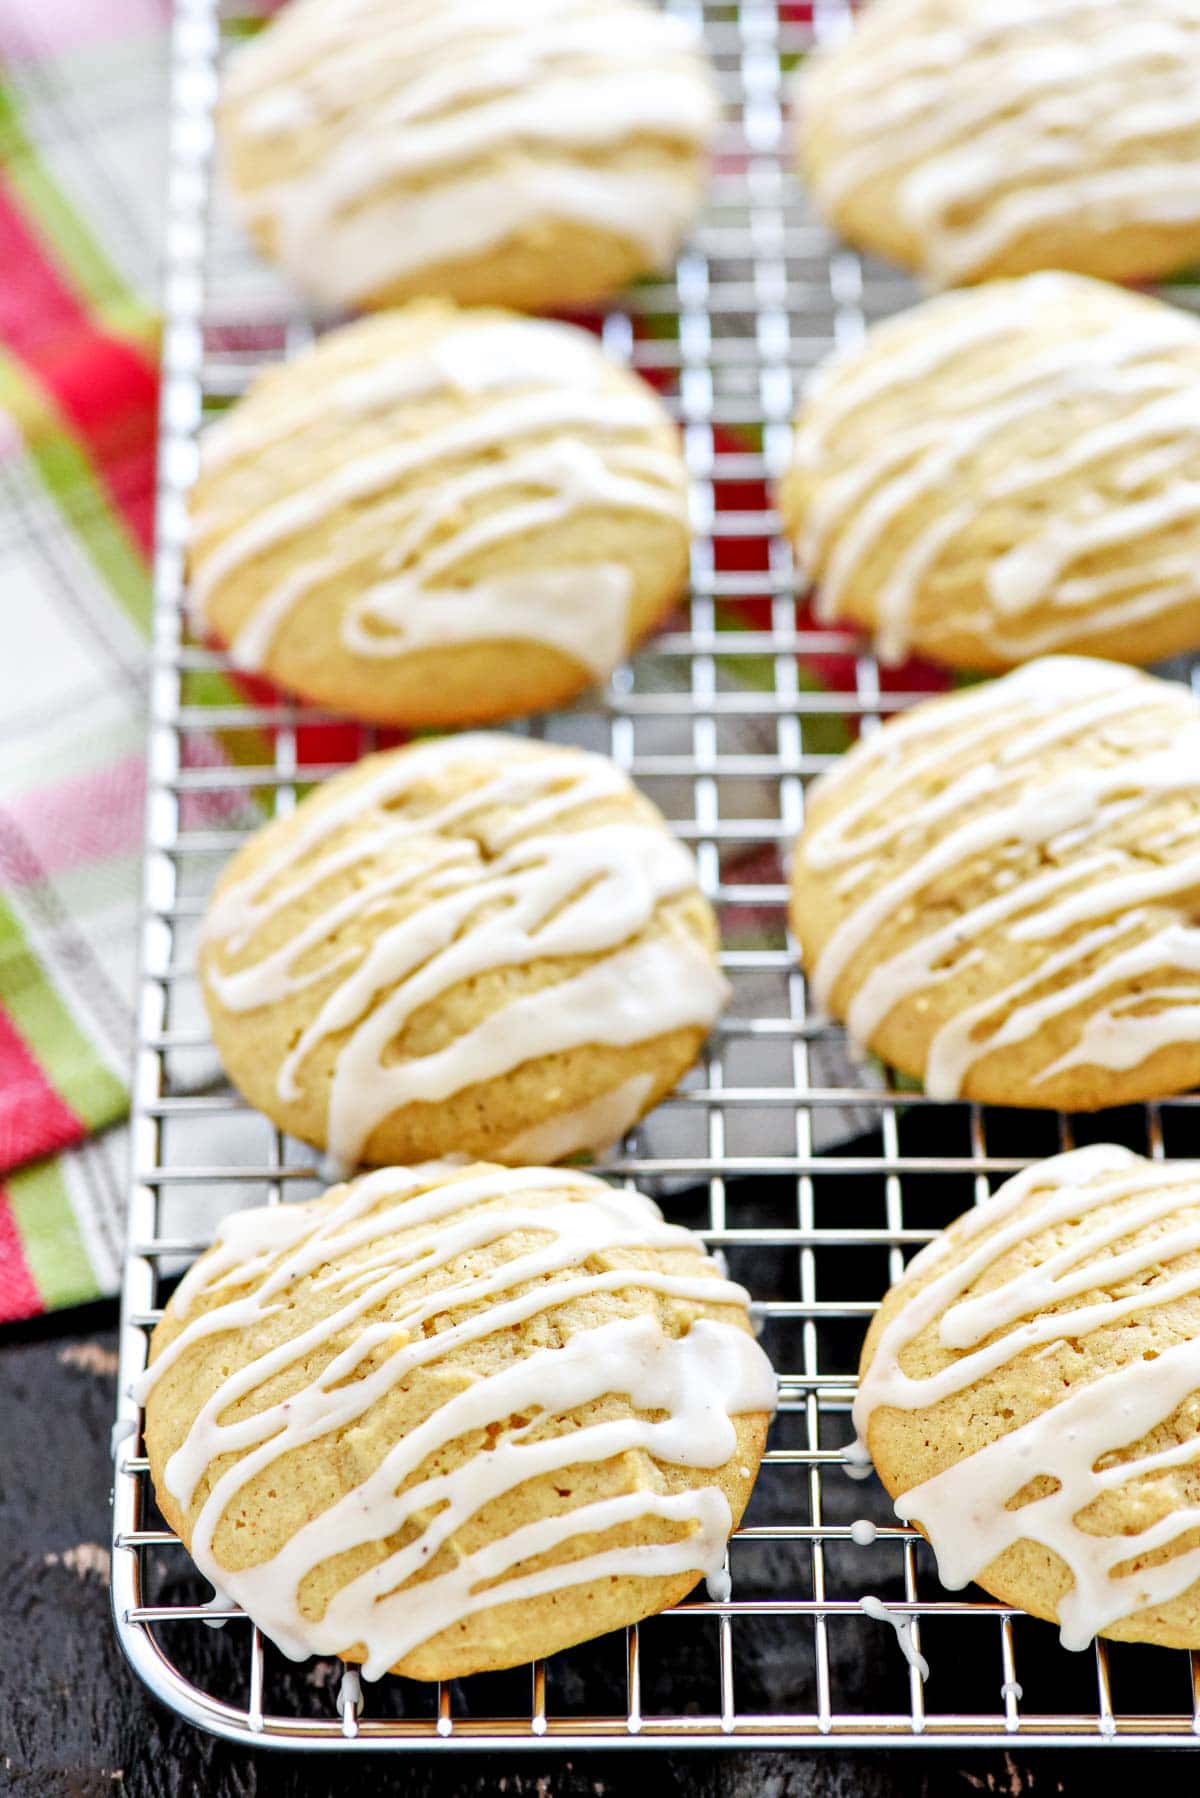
pixel 81 150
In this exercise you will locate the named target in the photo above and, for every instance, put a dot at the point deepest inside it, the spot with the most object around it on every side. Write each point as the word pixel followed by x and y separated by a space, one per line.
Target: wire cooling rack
pixel 814 1177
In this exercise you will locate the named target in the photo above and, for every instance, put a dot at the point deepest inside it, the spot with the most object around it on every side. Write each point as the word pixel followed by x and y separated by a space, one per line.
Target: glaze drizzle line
pixel 693 1385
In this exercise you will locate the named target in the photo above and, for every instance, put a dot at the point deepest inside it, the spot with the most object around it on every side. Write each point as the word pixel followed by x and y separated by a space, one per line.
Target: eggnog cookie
pixel 1000 890
pixel 1008 470
pixel 1030 1395
pixel 440 517
pixel 535 155
pixel 475 945
pixel 445 1420
pixel 966 139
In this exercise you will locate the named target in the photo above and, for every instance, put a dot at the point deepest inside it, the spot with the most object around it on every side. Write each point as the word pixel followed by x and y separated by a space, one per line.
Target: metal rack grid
pixel 813 1175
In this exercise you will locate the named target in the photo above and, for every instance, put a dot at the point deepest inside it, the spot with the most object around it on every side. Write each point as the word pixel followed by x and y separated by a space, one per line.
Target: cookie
pixel 536 155
pixel 445 1420
pixel 1006 471
pixel 473 945
pixel 966 140
pixel 439 517
pixel 1030 1395
pixel 999 891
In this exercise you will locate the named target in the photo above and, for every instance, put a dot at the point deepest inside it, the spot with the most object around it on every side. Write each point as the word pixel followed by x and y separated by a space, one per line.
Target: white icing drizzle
pixel 556 439
pixel 537 893
pixel 220 1601
pixel 479 126
pixel 903 1626
pixel 471 356
pixel 349 1700
pixel 1142 371
pixel 694 1385
pixel 1104 924
pixel 122 1430
pixel 858 1461
pixel 719 1586
pixel 963 1509
pixel 605 1119
pixel 1012 120
pixel 583 611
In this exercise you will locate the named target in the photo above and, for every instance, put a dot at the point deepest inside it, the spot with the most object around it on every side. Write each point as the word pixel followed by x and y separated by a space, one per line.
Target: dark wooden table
pixel 75 1724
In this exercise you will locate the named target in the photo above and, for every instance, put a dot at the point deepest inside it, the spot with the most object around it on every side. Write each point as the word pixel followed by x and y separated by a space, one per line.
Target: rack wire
pixel 812 1174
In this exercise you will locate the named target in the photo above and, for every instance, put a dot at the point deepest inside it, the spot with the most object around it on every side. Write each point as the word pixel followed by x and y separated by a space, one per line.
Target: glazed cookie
pixel 439 517
pixel 536 155
pixel 965 139
pixel 475 945
pixel 444 1420
pixel 1000 890
pixel 1008 470
pixel 1030 1395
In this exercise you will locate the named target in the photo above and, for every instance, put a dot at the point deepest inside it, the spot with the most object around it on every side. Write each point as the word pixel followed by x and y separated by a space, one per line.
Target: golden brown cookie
pixel 967 140
pixel 473 945
pixel 440 517
pixel 1030 1395
pixel 536 155
pixel 1005 471
pixel 999 891
pixel 445 1420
